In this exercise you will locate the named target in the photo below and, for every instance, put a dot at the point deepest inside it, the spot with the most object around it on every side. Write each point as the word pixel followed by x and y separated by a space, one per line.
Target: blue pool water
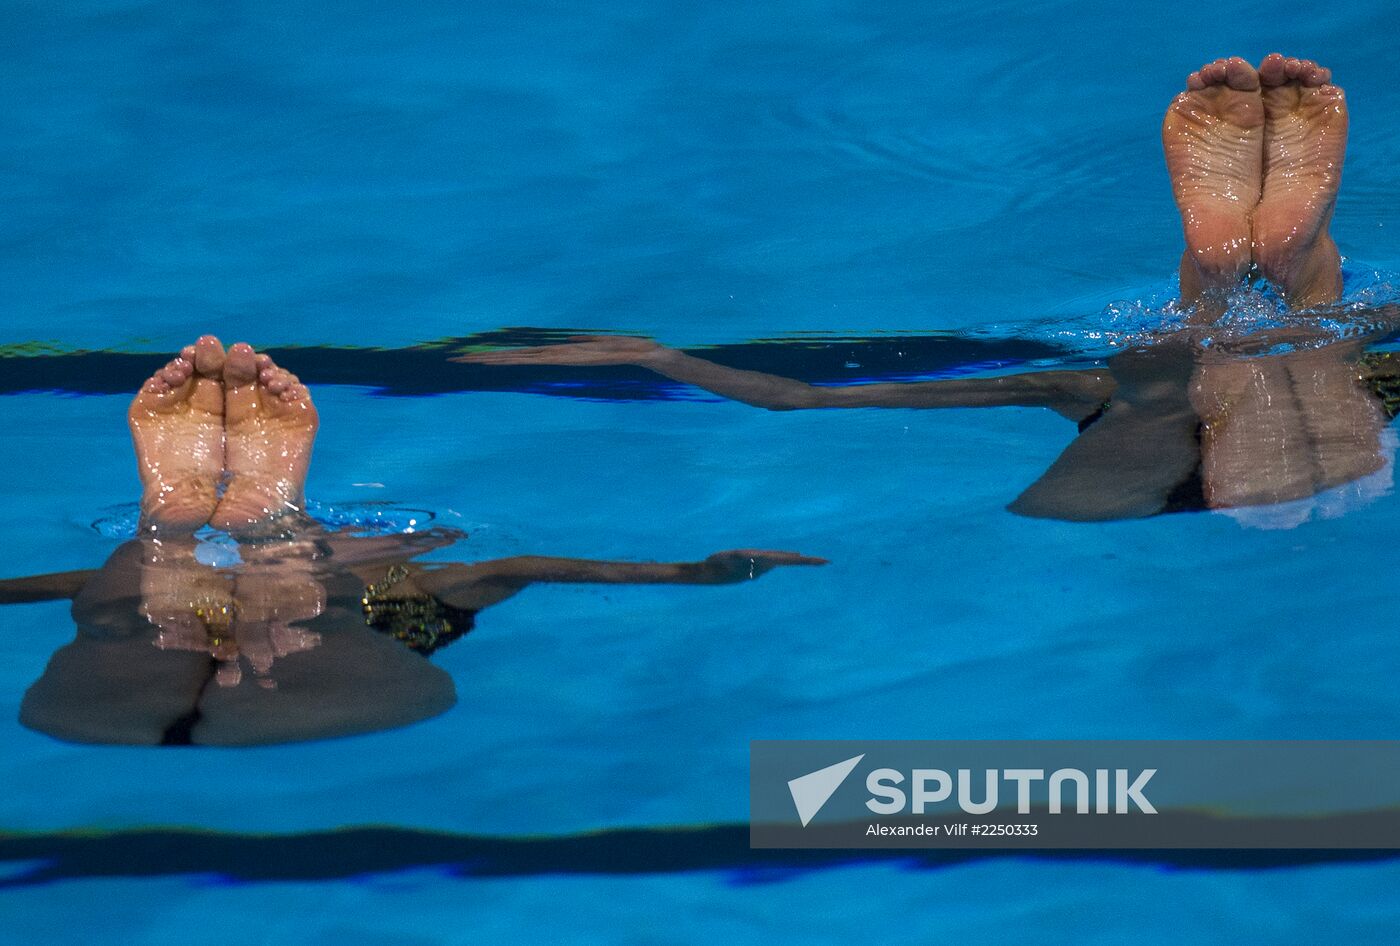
pixel 373 178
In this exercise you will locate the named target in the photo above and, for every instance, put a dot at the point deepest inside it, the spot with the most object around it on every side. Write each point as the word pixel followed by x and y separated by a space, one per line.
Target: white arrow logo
pixel 811 791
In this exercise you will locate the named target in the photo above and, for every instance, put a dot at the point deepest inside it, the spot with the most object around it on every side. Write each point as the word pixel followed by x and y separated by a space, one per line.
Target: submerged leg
pixel 1213 136
pixel 1285 427
pixel 1134 460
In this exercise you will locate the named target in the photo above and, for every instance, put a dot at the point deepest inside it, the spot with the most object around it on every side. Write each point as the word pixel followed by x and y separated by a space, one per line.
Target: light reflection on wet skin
pixel 317 636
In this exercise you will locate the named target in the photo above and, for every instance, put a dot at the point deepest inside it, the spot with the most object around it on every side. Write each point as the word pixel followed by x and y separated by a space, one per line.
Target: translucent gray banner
pixel 1074 794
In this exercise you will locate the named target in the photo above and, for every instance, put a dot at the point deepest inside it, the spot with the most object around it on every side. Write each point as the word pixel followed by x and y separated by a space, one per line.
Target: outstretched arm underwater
pixel 1074 394
pixel 57 586
pixel 483 584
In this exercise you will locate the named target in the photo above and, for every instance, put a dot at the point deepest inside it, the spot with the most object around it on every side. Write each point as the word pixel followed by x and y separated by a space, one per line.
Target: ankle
pixel 1307 274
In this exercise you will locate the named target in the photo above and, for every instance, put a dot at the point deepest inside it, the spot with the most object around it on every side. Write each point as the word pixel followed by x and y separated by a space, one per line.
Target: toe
pixel 241 400
pixel 176 372
pixel 1277 70
pixel 1240 75
pixel 1316 75
pixel 241 364
pixel 1271 70
pixel 288 389
pixel 163 389
pixel 208 357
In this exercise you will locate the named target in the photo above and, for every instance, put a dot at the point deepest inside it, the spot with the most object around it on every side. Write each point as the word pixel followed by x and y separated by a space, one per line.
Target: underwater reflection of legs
pixel 274 595
pixel 1285 427
pixel 111 684
pixel 353 680
pixel 236 616
pixel 190 605
pixel 1131 460
pixel 337 636
pixel 156 660
pixel 318 671
pixel 1331 503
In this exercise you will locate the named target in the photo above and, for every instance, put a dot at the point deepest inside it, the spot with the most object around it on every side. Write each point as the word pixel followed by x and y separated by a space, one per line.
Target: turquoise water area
pixel 371 179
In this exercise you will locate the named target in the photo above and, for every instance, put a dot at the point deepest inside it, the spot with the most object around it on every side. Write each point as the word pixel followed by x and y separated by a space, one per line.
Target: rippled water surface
pixel 808 184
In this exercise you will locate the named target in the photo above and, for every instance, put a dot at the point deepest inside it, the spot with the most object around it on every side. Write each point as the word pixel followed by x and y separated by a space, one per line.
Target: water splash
pixel 1256 320
pixel 361 518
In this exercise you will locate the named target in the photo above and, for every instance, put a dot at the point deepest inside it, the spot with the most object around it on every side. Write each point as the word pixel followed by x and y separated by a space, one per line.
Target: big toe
pixel 1240 75
pixel 1273 70
pixel 209 357
pixel 206 358
pixel 241 365
pixel 240 389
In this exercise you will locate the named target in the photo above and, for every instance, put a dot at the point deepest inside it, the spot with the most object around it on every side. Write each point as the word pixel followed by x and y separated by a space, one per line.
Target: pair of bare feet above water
pixel 1255 159
pixel 223 438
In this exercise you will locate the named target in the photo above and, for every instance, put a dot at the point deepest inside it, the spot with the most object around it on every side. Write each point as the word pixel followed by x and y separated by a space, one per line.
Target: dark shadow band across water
pixel 37 859
pixel 424 369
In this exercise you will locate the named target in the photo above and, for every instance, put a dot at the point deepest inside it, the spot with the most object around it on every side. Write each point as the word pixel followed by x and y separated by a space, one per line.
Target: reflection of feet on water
pixel 245 614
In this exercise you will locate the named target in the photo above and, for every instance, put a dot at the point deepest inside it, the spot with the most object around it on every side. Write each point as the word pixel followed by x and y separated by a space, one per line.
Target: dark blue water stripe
pixel 424 369
pixel 38 859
